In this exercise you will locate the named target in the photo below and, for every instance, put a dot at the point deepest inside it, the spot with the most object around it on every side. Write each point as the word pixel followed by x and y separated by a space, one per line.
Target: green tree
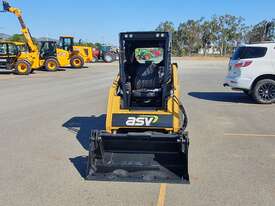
pixel 263 31
pixel 221 32
pixel 98 45
pixel 230 31
pixel 209 31
pixel 168 26
pixel 17 37
pixel 190 36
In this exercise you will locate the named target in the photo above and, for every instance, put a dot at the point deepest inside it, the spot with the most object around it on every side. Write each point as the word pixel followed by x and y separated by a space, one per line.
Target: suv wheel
pixel 264 91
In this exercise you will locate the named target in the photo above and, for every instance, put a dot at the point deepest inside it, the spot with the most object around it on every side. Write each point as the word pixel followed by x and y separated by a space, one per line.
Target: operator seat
pixel 146 81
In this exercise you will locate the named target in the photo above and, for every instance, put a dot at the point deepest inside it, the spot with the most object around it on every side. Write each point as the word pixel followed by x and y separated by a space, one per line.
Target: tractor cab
pixel 66 43
pixel 47 49
pixel 22 47
pixel 8 55
pixel 145 69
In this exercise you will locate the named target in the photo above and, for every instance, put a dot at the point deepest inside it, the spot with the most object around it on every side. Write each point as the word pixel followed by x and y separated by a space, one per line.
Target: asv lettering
pixel 139 121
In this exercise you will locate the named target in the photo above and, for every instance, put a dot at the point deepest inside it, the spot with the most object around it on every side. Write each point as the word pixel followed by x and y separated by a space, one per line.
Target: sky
pixel 102 20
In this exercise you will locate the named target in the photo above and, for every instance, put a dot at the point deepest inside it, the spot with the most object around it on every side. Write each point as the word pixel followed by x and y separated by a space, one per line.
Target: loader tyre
pixel 264 91
pixel 22 67
pixel 51 65
pixel 77 62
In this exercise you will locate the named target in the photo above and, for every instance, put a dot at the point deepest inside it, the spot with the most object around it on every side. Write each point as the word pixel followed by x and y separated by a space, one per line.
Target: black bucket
pixel 139 157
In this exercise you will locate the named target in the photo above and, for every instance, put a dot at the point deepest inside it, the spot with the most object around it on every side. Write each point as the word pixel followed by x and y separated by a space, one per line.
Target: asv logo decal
pixel 145 120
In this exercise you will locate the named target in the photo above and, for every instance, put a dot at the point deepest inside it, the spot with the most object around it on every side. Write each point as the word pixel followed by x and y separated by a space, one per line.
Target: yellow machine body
pixel 114 102
pixel 86 52
pixel 144 138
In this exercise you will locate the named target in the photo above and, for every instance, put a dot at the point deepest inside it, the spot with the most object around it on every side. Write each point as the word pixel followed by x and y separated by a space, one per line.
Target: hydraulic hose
pixel 182 109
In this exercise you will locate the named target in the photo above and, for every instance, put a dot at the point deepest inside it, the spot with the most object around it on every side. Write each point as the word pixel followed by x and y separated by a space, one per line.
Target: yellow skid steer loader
pixel 145 137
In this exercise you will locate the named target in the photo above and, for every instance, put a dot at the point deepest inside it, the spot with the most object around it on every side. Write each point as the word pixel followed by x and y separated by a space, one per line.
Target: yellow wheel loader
pixel 145 138
pixel 77 55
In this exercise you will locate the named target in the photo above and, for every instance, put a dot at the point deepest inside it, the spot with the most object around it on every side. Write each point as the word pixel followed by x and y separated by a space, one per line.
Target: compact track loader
pixel 145 138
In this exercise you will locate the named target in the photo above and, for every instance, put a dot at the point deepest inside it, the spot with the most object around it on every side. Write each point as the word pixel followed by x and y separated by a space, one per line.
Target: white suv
pixel 252 70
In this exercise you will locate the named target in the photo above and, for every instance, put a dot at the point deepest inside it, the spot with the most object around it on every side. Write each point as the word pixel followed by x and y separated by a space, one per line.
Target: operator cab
pixel 145 69
pixel 22 47
pixel 47 49
pixel 66 43
pixel 8 55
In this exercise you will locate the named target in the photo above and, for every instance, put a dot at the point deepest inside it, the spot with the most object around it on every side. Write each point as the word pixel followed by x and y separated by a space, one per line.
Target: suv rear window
pixel 249 53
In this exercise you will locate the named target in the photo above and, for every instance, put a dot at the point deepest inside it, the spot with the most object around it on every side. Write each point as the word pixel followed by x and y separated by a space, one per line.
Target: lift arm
pixel 24 29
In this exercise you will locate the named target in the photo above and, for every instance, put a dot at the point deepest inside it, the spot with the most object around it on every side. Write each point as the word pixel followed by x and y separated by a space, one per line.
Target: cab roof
pixel 145 35
pixel 8 42
pixel 66 37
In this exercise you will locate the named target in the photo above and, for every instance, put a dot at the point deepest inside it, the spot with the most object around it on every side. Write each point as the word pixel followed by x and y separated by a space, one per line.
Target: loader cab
pixel 8 49
pixel 145 69
pixel 66 43
pixel 22 47
pixel 8 54
pixel 47 49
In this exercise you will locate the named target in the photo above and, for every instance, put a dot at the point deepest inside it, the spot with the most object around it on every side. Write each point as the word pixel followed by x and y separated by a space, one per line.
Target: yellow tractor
pixel 50 55
pixel 77 55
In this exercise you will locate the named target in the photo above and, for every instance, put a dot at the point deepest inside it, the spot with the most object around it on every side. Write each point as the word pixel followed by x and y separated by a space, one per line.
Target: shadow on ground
pixel 59 70
pixel 231 97
pixel 83 126
pixel 80 163
pixel 72 68
pixel 167 168
pixel 6 73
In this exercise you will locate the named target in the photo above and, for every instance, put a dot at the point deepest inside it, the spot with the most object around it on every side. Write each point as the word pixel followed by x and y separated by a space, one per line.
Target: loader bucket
pixel 6 6
pixel 138 157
